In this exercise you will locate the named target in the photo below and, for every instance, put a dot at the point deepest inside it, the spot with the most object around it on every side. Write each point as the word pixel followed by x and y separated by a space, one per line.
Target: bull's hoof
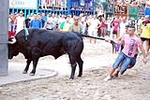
pixel 71 78
pixel 79 75
pixel 32 74
pixel 24 72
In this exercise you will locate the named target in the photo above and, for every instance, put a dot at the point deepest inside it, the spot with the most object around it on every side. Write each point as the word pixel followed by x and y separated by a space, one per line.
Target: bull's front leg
pixel 36 52
pixel 32 73
pixel 27 66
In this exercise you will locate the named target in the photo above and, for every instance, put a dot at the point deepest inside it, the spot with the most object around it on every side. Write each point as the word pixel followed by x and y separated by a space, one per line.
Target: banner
pixel 23 4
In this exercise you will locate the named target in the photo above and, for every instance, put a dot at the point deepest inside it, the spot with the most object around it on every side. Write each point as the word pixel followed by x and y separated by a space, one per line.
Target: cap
pixel 21 12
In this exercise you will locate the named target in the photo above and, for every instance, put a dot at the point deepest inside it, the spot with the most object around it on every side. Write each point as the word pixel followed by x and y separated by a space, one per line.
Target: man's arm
pixel 71 28
pixel 40 22
pixel 143 53
pixel 31 23
pixel 121 42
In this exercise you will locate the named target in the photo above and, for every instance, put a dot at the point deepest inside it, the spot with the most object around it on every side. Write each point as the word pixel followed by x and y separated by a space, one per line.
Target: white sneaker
pixel 107 78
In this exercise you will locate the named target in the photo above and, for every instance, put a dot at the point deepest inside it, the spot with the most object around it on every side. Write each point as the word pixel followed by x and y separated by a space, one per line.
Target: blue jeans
pixel 133 62
pixel 122 59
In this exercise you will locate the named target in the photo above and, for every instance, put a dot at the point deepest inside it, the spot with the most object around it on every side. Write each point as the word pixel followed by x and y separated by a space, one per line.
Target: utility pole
pixel 4 4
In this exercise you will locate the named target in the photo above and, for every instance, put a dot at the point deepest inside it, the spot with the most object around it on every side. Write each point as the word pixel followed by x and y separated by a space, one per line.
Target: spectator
pixel 145 33
pixel 20 22
pixel 27 21
pixel 108 22
pixel 103 26
pixel 115 25
pixel 36 23
pixel 65 26
pixel 93 27
pixel 11 30
pixel 76 26
pixel 50 24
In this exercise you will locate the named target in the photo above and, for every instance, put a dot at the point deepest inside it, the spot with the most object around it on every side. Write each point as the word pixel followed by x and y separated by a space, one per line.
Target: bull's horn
pixel 12 40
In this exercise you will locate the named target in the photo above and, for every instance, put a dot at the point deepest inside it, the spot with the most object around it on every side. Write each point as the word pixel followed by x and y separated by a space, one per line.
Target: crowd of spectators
pixel 53 21
pixel 85 24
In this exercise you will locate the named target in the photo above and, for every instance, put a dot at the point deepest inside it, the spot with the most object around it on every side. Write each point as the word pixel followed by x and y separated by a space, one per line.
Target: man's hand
pixel 144 60
pixel 107 39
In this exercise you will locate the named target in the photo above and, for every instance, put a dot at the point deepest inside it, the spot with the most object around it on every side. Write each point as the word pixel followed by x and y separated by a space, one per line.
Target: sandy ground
pixel 133 85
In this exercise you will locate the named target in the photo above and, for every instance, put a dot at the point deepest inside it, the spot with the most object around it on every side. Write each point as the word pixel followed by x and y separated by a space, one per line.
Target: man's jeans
pixel 122 59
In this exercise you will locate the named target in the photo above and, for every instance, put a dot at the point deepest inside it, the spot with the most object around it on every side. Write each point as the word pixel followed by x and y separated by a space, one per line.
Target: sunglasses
pixel 131 26
pixel 129 30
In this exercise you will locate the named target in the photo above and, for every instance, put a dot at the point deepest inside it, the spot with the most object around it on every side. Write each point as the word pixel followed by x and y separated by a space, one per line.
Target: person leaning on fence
pixel 76 26
pixel 131 43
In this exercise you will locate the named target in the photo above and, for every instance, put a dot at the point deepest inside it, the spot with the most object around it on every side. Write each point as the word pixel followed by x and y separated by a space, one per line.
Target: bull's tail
pixel 113 43
pixel 100 38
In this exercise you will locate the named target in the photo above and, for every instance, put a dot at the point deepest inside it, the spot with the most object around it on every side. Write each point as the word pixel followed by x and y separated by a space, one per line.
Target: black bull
pixel 41 43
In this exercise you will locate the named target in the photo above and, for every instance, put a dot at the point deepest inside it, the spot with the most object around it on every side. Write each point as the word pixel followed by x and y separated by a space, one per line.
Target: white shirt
pixel 93 24
pixel 123 28
pixel 139 22
pixel 20 23
pixel 108 25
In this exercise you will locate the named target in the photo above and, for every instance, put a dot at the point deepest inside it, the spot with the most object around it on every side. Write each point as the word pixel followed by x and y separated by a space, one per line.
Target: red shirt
pixel 103 24
pixel 116 24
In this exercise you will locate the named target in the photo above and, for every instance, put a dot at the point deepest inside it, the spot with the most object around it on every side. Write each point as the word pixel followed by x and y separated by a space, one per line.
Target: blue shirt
pixel 147 11
pixel 36 23
pixel 44 18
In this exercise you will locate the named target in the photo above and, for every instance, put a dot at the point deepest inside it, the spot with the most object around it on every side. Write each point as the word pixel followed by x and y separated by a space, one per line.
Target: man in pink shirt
pixel 131 43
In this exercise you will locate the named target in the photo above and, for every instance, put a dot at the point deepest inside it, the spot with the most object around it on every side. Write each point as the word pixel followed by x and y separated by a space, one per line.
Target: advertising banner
pixel 23 4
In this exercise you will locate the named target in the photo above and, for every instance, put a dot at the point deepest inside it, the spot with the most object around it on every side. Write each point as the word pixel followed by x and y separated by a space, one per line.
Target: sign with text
pixel 120 10
pixel 23 4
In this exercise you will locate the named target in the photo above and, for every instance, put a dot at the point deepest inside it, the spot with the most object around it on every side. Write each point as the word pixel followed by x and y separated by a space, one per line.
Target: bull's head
pixel 12 48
